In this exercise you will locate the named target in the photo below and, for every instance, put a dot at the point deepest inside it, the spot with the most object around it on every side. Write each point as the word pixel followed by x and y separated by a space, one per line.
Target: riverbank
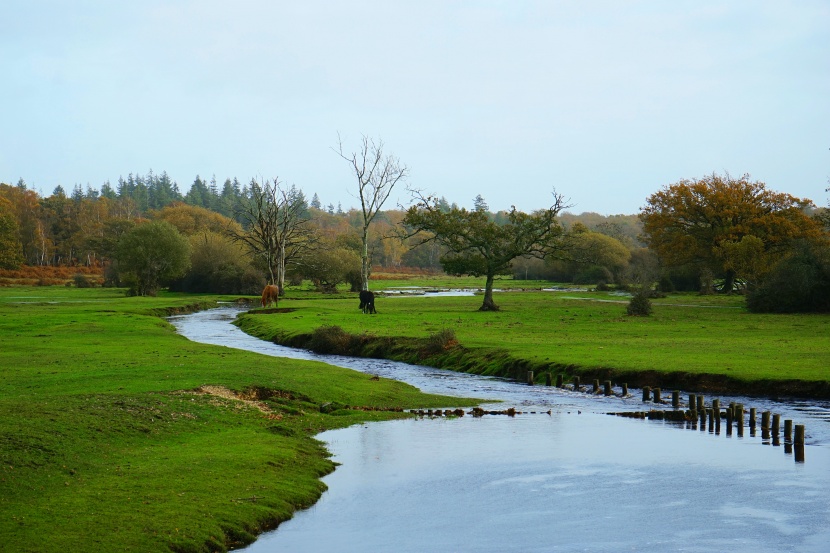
pixel 116 433
pixel 708 344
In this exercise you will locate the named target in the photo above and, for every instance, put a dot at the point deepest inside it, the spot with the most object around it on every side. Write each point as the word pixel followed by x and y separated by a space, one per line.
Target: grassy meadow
pixel 687 333
pixel 118 434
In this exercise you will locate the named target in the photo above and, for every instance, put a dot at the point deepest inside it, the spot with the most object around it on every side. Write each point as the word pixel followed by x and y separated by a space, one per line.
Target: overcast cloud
pixel 604 101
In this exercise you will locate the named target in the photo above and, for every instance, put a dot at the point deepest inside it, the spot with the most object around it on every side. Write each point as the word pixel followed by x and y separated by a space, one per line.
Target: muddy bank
pixel 442 350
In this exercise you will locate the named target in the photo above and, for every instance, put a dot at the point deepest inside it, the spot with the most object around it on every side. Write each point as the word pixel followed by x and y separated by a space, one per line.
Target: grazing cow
pixel 270 294
pixel 367 302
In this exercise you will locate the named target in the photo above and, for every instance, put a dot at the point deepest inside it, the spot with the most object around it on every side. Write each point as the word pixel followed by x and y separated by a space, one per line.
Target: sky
pixel 605 102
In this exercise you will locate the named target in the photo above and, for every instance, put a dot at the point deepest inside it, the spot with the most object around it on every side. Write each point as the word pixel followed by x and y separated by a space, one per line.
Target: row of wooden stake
pixel 734 413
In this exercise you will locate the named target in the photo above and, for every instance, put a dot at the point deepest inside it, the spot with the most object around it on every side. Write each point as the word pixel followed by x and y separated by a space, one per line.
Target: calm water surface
pixel 573 480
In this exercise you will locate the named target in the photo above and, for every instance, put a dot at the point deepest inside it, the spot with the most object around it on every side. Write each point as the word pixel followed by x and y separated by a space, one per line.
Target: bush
pixel 83 281
pixel 218 266
pixel 329 339
pixel 640 304
pixel 593 275
pixel 439 342
pixel 800 283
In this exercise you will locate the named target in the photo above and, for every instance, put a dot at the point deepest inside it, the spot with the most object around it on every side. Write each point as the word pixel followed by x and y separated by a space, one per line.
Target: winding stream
pixel 573 480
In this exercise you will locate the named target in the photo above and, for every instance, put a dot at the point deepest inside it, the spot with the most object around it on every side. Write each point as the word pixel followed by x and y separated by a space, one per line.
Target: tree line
pixel 714 234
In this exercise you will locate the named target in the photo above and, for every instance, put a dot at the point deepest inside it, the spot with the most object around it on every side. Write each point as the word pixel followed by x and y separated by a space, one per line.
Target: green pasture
pixel 104 446
pixel 687 332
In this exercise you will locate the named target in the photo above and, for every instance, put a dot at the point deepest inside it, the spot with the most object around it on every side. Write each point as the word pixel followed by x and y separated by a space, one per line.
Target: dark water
pixel 574 480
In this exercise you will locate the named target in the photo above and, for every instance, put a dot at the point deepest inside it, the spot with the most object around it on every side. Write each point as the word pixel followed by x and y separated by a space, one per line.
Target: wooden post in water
pixel 716 406
pixel 675 399
pixel 596 385
pixel 560 381
pixel 607 387
pixel 701 403
pixel 765 416
pixel 788 430
pixel 576 384
pixel 646 393
pixel 548 379
pixel 693 402
pixel 776 427
pixel 624 389
pixel 711 413
pixel 729 422
pixel 799 434
pixel 753 412
pixel 656 393
pixel 798 443
pixel 739 418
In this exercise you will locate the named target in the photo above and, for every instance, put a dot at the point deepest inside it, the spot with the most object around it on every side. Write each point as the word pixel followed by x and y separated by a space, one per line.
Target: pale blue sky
pixel 605 101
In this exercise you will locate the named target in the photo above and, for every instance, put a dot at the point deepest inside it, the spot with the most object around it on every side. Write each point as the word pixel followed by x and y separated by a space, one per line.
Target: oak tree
pixel 479 246
pixel 689 223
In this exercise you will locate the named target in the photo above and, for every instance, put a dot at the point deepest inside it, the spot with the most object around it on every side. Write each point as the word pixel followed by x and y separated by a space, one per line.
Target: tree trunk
pixel 489 304
pixel 281 268
pixel 728 282
pixel 364 259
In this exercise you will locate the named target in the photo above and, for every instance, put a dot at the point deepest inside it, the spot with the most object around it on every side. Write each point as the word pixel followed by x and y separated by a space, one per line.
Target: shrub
pixel 329 339
pixel 83 281
pixel 800 283
pixel 602 286
pixel 640 304
pixel 439 342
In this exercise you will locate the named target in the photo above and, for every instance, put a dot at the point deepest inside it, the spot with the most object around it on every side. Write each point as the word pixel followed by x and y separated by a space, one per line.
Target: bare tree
pixel 275 226
pixel 377 174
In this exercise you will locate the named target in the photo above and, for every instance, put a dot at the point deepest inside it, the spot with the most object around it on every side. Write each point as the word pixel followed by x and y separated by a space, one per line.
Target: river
pixel 575 479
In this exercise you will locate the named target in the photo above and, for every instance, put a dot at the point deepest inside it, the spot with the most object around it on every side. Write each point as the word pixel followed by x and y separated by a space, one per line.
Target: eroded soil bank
pixel 443 351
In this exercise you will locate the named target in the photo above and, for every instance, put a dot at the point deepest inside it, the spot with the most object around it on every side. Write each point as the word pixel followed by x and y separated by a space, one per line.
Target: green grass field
pixel 687 333
pixel 107 442
pixel 105 445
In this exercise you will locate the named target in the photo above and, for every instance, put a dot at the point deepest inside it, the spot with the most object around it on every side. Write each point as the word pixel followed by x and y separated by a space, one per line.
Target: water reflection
pixel 574 480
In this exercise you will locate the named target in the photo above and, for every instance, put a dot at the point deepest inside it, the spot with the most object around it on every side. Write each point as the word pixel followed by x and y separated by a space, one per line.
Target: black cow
pixel 367 302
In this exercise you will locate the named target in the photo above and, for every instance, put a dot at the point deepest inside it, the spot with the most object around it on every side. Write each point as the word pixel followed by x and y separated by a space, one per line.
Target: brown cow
pixel 270 294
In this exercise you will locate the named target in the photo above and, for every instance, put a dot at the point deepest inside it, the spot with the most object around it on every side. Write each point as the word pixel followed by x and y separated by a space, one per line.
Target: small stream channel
pixel 572 480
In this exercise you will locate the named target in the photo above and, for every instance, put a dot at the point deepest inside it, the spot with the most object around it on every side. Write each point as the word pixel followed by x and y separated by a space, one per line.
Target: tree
pixel 479 204
pixel 330 266
pixel 377 174
pixel 480 247
pixel 687 223
pixel 151 255
pixel 798 283
pixel 11 251
pixel 190 219
pixel 275 226
pixel 595 257
pixel 199 194
pixel 219 266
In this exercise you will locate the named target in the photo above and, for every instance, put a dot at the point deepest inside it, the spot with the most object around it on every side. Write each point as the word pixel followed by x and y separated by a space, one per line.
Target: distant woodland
pixel 713 234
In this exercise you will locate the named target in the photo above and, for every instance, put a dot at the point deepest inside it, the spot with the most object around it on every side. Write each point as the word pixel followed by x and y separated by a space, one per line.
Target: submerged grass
pixel 109 441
